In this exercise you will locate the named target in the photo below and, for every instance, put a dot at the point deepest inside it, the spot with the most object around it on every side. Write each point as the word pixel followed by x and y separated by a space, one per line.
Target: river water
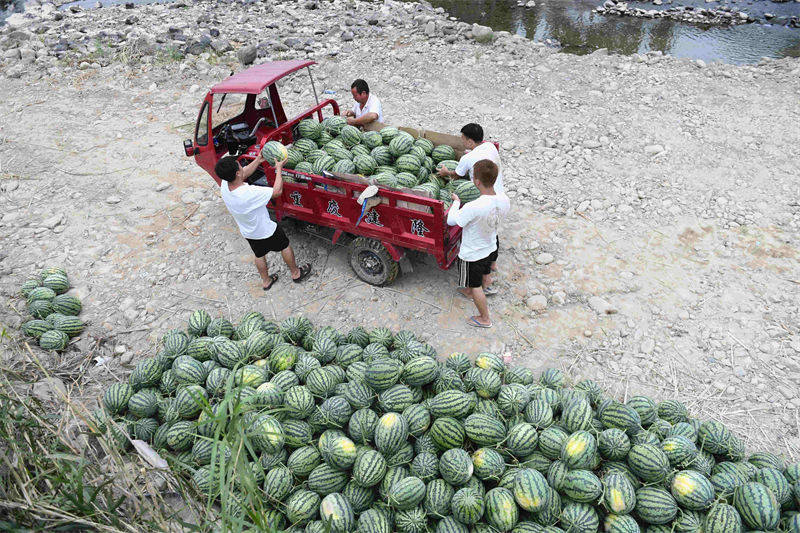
pixel 572 24
pixel 578 30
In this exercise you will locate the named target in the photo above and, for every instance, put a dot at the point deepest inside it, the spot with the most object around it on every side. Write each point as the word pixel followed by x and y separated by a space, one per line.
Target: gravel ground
pixel 652 244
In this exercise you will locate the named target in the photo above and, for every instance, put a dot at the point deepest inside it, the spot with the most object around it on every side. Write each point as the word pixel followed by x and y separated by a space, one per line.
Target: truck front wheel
pixel 372 263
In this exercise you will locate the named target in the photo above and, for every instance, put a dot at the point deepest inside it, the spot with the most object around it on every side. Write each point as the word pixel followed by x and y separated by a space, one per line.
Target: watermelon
pixel 344 166
pixel 40 309
pixel 578 450
pixel 309 129
pixel 488 464
pixel 53 339
pixel 614 523
pixel 35 328
pixel 455 466
pixel 649 462
pixel 66 304
pixel 531 491
pixel 501 509
pixel 521 440
pixel 757 506
pixel 484 430
pixel 302 506
pixel 619 495
pixel 582 486
pixel 406 493
pixel 722 518
pixel 391 433
pixel 447 433
pixel 467 506
pixel 351 136
pixel 273 152
pixel 442 152
pixel 337 513
pixel 304 460
pixel 655 505
pixel 334 124
pixel 692 490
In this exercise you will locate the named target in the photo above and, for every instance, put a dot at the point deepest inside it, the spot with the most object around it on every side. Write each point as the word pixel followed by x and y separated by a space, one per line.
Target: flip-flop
pixel 489 291
pixel 274 278
pixel 474 323
pixel 305 270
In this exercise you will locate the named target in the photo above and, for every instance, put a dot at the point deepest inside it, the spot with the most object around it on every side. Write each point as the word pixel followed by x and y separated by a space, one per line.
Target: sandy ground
pixel 664 193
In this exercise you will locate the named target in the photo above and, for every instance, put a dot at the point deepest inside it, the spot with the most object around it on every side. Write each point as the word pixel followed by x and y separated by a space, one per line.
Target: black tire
pixel 372 263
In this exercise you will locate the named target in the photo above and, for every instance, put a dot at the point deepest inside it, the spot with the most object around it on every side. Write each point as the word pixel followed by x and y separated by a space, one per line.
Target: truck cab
pixel 256 116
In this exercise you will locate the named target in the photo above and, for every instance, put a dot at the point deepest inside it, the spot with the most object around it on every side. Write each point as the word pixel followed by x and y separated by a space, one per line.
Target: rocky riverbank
pixel 653 244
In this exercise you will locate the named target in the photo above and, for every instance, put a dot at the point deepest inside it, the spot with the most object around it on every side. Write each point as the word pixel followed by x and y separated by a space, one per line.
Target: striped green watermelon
pixel 35 328
pixel 443 152
pixel 722 518
pixel 66 304
pixel 447 433
pixel 757 506
pixel 304 460
pixel 484 430
pixel 467 506
pixel 648 462
pixel 337 513
pixel 501 509
pixel 578 450
pixel 406 493
pixel 53 339
pixel 531 490
pixel 391 433
pixel 655 505
pixel 302 506
pixel 309 128
pixel 615 523
pixel 579 518
pixel 488 464
pixel 582 486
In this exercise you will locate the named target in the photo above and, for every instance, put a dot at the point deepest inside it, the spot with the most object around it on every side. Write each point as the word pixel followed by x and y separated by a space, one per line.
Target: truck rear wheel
pixel 372 263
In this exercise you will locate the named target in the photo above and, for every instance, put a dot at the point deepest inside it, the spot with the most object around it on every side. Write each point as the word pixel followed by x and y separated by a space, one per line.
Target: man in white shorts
pixel 367 108
pixel 480 220
pixel 477 150
pixel 248 205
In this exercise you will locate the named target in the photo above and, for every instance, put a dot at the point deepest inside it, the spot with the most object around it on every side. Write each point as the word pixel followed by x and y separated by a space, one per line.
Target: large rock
pixel 49 390
pixel 246 54
pixel 482 34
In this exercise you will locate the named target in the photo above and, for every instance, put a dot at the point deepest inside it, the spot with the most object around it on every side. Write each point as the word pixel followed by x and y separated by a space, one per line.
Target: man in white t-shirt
pixel 248 205
pixel 480 220
pixel 367 107
pixel 476 150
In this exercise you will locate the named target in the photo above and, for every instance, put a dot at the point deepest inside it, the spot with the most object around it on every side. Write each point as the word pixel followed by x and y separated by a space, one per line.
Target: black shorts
pixel 470 273
pixel 493 255
pixel 275 243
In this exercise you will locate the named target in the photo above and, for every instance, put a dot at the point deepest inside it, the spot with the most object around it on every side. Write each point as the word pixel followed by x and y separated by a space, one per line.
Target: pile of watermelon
pixel 368 431
pixel 393 158
pixel 54 314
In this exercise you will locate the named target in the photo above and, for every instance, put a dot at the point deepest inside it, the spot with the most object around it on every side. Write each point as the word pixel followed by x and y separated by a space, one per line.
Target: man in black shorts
pixel 248 205
pixel 480 220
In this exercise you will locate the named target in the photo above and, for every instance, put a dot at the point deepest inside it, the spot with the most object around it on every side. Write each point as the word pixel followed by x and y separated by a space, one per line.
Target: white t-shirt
pixel 373 106
pixel 485 150
pixel 248 205
pixel 480 219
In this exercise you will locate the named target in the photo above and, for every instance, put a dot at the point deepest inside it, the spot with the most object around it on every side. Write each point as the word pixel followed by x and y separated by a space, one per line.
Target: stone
pixel 544 258
pixel 221 46
pixel 653 149
pixel 9 186
pixel 246 54
pixel 601 306
pixel 162 186
pixel 347 36
pixel 49 390
pixel 592 143
pixel 482 34
pixel 113 200
pixel 536 302
pixel 430 28
pixel 120 349
pixel 559 298
pixel 647 346
pixel 52 221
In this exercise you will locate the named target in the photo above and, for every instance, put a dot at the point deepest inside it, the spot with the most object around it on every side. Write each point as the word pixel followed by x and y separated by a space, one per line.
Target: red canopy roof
pixel 257 78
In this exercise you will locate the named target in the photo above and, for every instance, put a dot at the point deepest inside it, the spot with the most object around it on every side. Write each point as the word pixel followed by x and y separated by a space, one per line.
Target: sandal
pixel 305 270
pixel 474 323
pixel 274 278
pixel 489 291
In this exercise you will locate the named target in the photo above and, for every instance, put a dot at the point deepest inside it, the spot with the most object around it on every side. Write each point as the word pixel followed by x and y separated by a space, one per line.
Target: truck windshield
pixel 232 107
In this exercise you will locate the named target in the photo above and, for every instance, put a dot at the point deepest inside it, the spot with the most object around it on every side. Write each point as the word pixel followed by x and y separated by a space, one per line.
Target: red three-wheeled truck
pixel 401 222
